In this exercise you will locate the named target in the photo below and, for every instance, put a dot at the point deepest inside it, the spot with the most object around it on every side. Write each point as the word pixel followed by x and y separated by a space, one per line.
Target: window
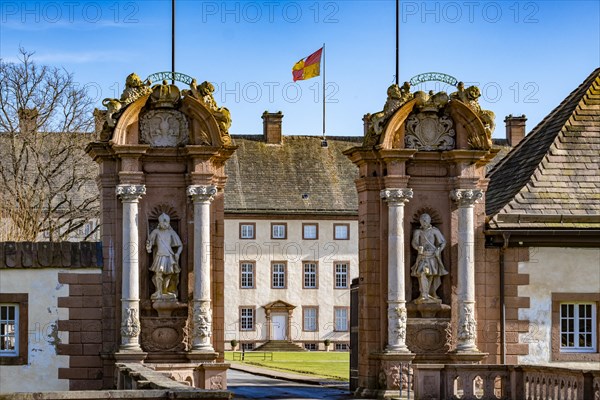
pixel 310 231
pixel 311 346
pixel 247 346
pixel 341 318
pixel 577 327
pixel 247 275
pixel 309 318
pixel 310 275
pixel 341 274
pixel 13 329
pixel 342 347
pixel 246 319
pixel 279 231
pixel 278 271
pixel 247 231
pixel 9 334
pixel 341 231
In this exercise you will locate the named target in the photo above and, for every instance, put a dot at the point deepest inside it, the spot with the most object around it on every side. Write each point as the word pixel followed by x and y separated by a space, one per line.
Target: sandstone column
pixel 396 269
pixel 130 290
pixel 202 310
pixel 467 326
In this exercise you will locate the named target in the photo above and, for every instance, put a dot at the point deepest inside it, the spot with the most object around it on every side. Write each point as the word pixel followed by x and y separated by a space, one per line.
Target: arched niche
pixel 393 135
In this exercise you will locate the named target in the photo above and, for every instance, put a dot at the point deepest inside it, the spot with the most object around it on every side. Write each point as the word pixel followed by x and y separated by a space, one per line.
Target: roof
pixel 551 179
pixel 297 177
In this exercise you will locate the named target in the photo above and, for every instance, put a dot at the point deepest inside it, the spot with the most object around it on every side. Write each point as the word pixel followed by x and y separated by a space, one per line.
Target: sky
pixel 526 56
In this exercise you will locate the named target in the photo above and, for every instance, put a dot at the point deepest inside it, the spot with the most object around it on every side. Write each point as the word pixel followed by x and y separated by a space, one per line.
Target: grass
pixel 328 365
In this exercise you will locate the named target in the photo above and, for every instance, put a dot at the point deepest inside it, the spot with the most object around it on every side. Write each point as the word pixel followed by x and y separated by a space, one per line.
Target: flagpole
pixel 397 41
pixel 172 42
pixel 323 90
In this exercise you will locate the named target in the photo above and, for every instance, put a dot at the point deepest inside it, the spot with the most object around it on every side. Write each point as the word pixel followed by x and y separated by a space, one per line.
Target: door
pixel 279 327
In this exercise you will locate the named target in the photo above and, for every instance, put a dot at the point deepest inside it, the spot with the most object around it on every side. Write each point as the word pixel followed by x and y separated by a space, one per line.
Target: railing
pixel 504 382
pixel 246 355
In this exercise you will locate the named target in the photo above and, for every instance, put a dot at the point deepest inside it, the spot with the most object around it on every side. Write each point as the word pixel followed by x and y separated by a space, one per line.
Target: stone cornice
pixel 396 196
pixel 129 193
pixel 201 193
pixel 466 197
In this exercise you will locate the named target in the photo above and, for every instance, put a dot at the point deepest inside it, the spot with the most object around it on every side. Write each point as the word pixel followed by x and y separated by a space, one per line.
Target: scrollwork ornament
pixel 396 196
pixel 466 197
pixel 130 192
pixel 201 193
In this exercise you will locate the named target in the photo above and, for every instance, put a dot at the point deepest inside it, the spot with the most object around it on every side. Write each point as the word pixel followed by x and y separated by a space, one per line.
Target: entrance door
pixel 279 327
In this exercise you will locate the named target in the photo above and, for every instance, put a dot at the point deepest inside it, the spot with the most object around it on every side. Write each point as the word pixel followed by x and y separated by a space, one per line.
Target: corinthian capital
pixel 201 193
pixel 466 197
pixel 130 192
pixel 396 196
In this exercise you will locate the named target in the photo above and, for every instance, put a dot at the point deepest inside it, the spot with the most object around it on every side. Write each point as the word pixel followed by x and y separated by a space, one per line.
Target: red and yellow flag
pixel 308 67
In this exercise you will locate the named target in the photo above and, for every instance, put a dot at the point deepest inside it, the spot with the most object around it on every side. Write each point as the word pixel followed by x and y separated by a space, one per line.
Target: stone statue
pixel 135 88
pixel 429 243
pixel 165 266
pixel 470 97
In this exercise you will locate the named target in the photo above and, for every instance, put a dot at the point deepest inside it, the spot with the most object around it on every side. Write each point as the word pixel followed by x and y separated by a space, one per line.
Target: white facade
pixel 557 275
pixel 43 290
pixel 280 269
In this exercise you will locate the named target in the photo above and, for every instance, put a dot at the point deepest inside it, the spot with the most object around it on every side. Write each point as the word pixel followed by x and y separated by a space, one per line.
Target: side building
pixel 291 239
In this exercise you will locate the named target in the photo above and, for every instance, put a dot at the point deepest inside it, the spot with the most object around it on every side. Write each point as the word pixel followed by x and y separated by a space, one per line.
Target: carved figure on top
pixel 470 97
pixel 165 265
pixel 164 95
pixel 428 268
pixel 426 129
pixel 204 93
pixel 134 89
pixel 397 96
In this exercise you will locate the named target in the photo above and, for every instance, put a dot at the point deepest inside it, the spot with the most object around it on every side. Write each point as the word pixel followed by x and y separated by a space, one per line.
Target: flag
pixel 308 67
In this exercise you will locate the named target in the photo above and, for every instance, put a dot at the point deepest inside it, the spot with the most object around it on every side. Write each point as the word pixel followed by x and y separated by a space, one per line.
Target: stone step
pixel 280 345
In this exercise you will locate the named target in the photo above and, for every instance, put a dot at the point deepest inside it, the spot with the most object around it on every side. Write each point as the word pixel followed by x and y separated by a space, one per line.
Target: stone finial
pixel 164 95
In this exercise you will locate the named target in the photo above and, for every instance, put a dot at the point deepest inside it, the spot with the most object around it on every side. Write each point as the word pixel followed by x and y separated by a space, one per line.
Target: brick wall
pixel 84 327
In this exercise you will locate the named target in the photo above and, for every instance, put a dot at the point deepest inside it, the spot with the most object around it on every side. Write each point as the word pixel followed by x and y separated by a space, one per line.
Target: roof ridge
pixel 540 124
pixel 539 143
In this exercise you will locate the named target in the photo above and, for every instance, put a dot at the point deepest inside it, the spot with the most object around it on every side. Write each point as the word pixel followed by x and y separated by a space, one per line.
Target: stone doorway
pixel 279 322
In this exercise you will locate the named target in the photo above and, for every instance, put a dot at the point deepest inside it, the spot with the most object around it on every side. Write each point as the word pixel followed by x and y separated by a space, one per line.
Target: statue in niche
pixel 428 269
pixel 165 266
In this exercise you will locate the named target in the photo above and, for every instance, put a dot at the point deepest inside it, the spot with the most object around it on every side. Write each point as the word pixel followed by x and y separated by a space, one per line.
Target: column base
pixel 467 357
pixel 125 355
pixel 200 356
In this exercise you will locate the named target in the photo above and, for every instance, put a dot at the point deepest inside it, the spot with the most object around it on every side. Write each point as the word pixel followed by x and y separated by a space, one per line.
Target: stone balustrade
pixel 504 382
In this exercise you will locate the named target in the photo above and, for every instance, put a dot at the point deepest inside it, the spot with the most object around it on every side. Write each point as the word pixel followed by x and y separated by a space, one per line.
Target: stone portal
pixel 420 191
pixel 161 155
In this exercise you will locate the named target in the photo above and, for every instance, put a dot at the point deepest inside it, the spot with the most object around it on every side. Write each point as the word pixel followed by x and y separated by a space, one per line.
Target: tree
pixel 48 190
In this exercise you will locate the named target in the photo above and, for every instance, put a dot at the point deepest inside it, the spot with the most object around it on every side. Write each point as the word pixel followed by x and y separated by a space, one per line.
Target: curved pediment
pixel 168 117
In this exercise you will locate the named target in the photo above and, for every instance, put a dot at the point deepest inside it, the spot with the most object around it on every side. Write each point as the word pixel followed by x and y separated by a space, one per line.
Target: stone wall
pixel 61 285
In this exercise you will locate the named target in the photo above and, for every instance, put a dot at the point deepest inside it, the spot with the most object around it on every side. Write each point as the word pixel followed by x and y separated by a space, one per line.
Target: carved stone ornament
pixel 164 334
pixel 202 320
pixel 466 197
pixel 130 192
pixel 164 128
pixel 396 196
pixel 215 382
pixel 398 317
pixel 467 326
pixel 135 88
pixel 130 327
pixel 201 193
pixel 470 97
pixel 427 131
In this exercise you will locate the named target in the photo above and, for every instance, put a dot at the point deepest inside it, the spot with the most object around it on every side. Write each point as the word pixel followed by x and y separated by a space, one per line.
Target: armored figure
pixel 165 266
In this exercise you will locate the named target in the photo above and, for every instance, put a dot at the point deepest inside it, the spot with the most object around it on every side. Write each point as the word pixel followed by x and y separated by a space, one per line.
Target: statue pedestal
pixel 166 306
pixel 431 309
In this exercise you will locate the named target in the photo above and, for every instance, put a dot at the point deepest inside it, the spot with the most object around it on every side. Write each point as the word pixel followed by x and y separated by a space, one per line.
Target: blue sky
pixel 526 56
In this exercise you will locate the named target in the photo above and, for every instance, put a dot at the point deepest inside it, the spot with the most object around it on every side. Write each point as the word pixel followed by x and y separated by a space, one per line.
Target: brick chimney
pixel 28 119
pixel 272 127
pixel 515 129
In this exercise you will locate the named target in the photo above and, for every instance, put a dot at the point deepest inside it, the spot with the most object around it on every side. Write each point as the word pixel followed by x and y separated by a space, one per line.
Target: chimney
pixel 99 120
pixel 272 127
pixel 515 129
pixel 28 120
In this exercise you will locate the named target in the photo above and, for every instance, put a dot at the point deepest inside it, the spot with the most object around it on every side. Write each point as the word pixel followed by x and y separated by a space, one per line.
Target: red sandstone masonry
pixel 85 331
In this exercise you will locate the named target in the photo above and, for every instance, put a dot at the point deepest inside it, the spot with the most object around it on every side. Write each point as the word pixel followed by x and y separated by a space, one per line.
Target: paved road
pixel 248 386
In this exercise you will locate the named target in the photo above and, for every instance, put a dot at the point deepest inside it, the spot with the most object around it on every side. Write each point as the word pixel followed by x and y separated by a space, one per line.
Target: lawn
pixel 330 365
